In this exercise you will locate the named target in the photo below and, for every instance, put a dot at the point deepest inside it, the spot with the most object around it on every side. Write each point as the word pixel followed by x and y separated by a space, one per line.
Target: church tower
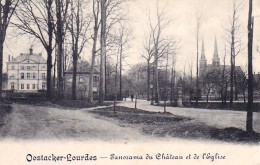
pixel 203 61
pixel 215 60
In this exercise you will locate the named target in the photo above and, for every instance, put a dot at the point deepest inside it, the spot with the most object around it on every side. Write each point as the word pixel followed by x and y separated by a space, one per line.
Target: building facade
pixel 27 72
pixel 82 81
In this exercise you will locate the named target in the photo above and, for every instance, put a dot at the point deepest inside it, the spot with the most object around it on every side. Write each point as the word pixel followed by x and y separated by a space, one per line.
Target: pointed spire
pixel 216 49
pixel 215 60
pixel 203 50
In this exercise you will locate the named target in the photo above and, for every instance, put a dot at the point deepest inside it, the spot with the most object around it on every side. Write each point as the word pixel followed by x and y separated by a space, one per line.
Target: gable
pixel 27 61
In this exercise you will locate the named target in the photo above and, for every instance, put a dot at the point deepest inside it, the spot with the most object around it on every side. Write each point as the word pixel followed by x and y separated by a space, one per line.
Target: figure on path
pixel 132 97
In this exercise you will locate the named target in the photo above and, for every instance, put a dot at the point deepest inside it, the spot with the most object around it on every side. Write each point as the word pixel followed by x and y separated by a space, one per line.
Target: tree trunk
pixel 54 71
pixel 74 77
pixel 231 76
pixel 171 99
pixel 156 85
pixel 103 53
pixel 1 66
pixel 120 71
pixel 49 50
pixel 90 94
pixel 235 80
pixel 148 81
pixel 59 41
pixel 249 119
pixel 49 67
pixel 197 68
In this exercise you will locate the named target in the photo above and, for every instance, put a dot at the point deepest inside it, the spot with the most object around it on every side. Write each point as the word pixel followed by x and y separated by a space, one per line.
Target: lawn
pixel 5 110
pixel 168 125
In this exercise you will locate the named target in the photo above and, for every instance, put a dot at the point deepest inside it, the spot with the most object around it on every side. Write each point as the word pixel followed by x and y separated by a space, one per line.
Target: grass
pixel 216 105
pixel 5 110
pixel 78 103
pixel 169 125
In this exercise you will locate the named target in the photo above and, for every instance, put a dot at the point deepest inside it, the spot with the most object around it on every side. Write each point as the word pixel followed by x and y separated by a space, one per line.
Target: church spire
pixel 203 61
pixel 203 50
pixel 215 60
pixel 216 48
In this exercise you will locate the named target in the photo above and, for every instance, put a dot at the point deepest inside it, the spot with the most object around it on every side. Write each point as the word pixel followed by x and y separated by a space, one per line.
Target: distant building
pixel 205 68
pixel 82 81
pixel 27 72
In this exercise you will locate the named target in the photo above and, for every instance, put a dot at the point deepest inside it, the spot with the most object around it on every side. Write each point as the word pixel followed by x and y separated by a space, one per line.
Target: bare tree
pixel 124 38
pixel 35 17
pixel 147 55
pixel 191 81
pixel 198 25
pixel 210 80
pixel 173 77
pixel 235 44
pixel 250 26
pixel 157 29
pixel 224 79
pixel 78 27
pixel 96 13
pixel 61 16
pixel 110 15
pixel 103 51
pixel 7 9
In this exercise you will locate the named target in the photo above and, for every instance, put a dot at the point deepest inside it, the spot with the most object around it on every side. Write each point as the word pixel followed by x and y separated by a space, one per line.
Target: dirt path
pixel 35 122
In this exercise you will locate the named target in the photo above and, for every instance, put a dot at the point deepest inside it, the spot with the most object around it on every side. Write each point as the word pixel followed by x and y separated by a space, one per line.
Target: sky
pixel 182 13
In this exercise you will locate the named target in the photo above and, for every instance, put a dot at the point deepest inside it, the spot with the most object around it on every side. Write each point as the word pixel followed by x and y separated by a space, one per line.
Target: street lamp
pixel 151 87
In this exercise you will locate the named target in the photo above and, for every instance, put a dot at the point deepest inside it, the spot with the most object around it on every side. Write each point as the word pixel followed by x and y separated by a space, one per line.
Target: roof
pixel 82 67
pixel 33 57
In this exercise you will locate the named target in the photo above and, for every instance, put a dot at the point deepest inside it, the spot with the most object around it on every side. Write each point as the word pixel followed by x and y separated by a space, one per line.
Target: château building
pixel 82 81
pixel 27 72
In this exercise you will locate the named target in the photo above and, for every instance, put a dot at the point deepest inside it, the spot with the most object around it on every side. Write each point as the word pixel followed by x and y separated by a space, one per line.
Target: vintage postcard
pixel 129 82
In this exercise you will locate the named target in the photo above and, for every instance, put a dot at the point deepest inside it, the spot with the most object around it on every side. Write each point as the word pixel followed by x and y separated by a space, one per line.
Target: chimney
pixel 9 57
pixel 31 51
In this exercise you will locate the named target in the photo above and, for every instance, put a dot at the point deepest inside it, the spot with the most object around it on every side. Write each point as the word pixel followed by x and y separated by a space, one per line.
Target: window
pixel 28 86
pixel 70 79
pixel 22 75
pixel 43 85
pixel 22 86
pixel 28 67
pixel 12 85
pixel 33 67
pixel 81 79
pixel 95 78
pixel 43 67
pixel 12 77
pixel 22 67
pixel 28 76
pixel 12 67
pixel 33 86
pixel 43 76
pixel 34 75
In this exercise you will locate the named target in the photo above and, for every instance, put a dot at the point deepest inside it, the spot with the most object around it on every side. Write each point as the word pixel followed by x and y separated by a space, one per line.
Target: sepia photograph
pixel 129 82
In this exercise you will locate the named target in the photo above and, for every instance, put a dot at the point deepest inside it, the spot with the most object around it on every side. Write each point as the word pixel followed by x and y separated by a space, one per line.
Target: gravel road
pixel 36 122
